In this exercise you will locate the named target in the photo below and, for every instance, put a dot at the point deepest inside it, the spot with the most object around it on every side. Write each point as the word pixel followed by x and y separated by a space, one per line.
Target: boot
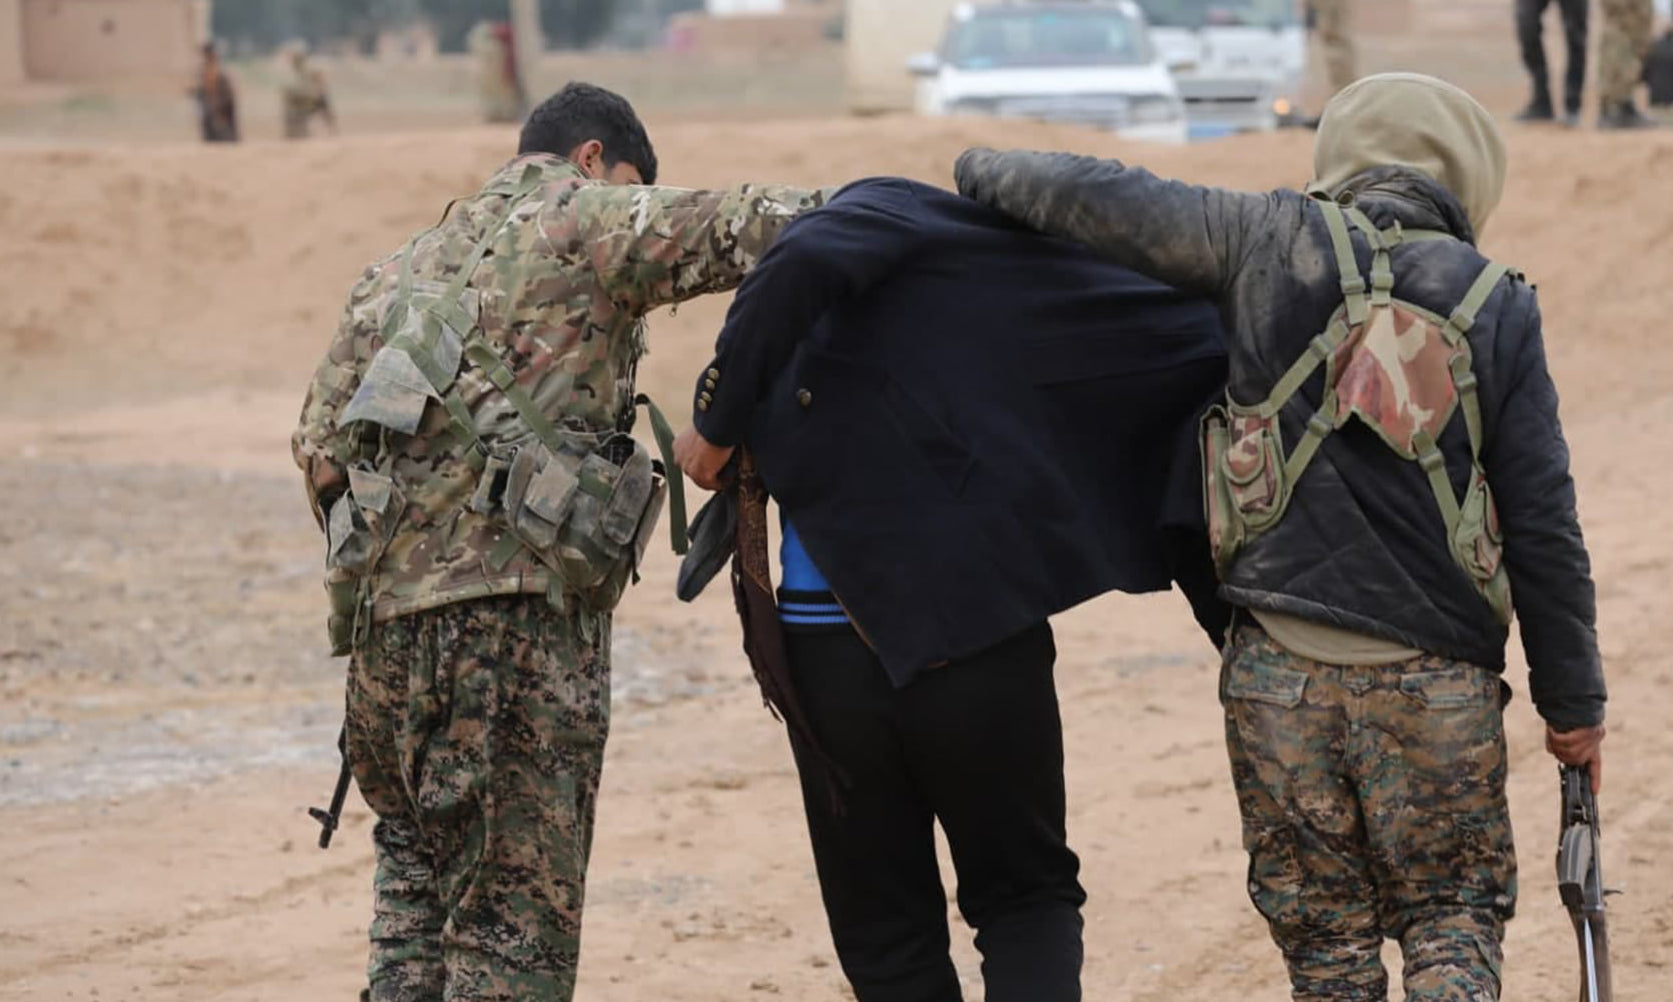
pixel 1624 115
pixel 1538 110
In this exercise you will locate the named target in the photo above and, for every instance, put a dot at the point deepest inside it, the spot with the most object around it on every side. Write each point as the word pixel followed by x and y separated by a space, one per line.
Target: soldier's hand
pixel 1582 746
pixel 701 460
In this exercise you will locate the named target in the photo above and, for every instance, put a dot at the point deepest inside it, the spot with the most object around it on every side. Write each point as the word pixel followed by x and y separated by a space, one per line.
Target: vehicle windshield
pixel 1008 38
pixel 1221 13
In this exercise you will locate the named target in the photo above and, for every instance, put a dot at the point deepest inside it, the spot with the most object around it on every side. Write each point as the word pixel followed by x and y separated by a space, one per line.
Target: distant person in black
pixel 1531 33
pixel 967 428
pixel 217 104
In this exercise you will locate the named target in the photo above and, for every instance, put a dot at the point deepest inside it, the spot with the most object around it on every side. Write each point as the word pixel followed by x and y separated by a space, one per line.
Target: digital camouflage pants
pixel 1373 803
pixel 1627 27
pixel 476 733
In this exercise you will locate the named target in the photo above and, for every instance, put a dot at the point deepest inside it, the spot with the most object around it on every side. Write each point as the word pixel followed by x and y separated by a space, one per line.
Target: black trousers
pixel 1531 34
pixel 978 746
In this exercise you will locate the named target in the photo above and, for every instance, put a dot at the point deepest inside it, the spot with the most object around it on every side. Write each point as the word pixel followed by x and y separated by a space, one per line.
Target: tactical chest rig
pixel 583 503
pixel 1399 368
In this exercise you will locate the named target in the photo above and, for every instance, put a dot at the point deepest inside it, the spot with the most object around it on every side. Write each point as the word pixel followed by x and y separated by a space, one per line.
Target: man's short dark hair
pixel 582 112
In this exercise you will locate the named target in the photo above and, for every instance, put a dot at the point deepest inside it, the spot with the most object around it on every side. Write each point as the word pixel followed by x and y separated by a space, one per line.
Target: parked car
pixel 1240 64
pixel 1089 63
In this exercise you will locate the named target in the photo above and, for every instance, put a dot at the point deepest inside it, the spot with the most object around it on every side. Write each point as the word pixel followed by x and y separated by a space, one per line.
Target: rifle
pixel 1580 882
pixel 330 817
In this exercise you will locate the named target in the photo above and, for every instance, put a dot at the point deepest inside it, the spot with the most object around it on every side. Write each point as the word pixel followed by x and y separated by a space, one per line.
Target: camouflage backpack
pixel 583 503
pixel 1400 369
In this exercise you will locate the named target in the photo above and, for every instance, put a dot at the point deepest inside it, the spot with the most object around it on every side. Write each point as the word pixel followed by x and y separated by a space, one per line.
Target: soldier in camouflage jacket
pixel 478 693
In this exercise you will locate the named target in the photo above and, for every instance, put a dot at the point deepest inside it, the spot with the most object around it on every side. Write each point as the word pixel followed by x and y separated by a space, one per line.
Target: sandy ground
pixel 167 707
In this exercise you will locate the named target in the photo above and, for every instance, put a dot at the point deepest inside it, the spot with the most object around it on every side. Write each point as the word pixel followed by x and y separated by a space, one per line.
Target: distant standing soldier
pixel 217 105
pixel 1333 20
pixel 1531 33
pixel 1627 25
pixel 498 79
pixel 306 97
pixel 466 446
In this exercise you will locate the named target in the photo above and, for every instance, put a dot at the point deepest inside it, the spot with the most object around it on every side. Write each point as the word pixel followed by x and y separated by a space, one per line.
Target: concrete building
pixel 88 40
pixel 11 42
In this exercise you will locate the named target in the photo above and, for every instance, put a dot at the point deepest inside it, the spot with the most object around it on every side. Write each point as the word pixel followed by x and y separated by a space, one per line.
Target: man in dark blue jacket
pixel 968 428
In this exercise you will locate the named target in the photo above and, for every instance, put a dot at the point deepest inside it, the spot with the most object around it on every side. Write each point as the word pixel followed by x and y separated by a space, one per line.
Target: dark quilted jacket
pixel 1362 546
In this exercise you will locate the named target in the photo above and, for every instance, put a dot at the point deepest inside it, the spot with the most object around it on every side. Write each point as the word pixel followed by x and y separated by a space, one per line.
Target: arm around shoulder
pixel 654 246
pixel 1189 236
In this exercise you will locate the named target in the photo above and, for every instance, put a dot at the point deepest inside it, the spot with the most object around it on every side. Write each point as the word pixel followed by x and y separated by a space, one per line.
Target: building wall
pixel 11 42
pixel 882 35
pixel 80 40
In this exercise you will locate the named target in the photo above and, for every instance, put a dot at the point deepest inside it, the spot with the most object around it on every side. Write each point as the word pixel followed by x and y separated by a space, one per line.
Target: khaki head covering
pixel 1415 121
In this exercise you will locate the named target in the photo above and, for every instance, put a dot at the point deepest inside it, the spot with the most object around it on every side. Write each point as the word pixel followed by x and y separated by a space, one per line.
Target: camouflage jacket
pixel 1361 547
pixel 561 297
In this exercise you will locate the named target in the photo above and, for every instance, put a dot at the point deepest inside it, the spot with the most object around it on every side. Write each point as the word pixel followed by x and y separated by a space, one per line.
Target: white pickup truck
pixel 1240 63
pixel 1090 62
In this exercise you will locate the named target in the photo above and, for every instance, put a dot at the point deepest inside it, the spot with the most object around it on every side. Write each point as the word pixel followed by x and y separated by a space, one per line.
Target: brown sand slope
pixel 165 703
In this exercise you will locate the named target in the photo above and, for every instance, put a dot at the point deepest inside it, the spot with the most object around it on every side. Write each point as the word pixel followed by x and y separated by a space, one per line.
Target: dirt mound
pixel 154 271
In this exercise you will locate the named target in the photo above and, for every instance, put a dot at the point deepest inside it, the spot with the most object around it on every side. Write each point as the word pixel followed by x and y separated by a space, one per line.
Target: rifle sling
pixel 752 589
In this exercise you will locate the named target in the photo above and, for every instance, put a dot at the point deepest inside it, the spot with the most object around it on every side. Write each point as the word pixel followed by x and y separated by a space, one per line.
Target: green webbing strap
pixel 1353 283
pixel 403 291
pixel 1319 426
pixel 462 277
pixel 529 182
pixel 1434 465
pixel 1318 352
pixel 464 427
pixel 1423 236
pixel 1463 318
pixel 1457 326
pixel 664 434
pixel 494 367
pixel 1468 402
pixel 1382 273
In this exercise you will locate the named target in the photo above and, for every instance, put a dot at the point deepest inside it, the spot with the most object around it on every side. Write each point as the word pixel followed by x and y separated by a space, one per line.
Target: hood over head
pixel 1414 121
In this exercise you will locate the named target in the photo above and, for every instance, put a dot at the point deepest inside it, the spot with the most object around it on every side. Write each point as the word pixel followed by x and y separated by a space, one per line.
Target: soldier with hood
pixel 1387 471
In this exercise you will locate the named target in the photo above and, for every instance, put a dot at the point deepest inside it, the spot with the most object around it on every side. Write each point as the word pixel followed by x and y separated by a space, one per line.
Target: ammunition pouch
pixel 586 511
pixel 1479 546
pixel 1245 486
pixel 358 528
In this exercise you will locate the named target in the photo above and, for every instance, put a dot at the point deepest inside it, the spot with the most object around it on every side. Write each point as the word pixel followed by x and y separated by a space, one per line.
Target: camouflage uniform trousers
pixel 1333 20
pixel 1373 804
pixel 1627 26
pixel 476 733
